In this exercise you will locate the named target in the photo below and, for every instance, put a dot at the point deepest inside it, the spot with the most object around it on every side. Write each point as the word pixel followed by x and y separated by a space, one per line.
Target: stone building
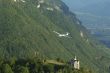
pixel 75 63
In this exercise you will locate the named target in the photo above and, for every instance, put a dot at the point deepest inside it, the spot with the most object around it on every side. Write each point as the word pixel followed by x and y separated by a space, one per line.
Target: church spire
pixel 75 58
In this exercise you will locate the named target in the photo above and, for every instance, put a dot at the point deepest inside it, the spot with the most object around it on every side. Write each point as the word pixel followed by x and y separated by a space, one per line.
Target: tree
pixel 6 69
pixel 12 61
pixel 23 69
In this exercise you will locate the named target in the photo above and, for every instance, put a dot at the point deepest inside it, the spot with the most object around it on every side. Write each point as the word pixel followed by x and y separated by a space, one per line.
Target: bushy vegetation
pixel 36 66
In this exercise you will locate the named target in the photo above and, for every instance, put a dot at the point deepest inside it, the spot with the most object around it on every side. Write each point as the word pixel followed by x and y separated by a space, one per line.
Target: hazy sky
pixel 75 4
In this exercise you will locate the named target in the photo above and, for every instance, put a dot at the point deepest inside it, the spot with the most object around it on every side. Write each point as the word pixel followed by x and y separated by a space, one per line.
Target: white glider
pixel 62 35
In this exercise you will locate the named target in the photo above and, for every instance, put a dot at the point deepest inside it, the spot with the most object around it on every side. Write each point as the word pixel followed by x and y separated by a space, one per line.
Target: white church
pixel 75 63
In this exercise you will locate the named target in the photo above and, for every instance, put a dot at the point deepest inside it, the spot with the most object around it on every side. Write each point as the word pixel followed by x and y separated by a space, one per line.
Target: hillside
pixel 48 29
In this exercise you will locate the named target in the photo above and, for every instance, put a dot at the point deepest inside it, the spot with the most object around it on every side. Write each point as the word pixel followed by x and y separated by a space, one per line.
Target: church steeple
pixel 75 58
pixel 76 63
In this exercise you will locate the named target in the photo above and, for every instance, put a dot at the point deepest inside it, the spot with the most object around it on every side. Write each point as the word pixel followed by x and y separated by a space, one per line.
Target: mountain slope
pixel 27 29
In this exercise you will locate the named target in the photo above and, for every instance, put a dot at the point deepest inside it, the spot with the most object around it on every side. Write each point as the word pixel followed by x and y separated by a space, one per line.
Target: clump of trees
pixel 35 65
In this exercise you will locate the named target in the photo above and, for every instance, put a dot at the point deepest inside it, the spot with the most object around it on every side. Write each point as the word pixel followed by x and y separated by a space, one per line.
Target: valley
pixel 95 16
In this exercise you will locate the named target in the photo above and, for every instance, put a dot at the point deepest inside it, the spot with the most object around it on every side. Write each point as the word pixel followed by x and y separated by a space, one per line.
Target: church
pixel 75 63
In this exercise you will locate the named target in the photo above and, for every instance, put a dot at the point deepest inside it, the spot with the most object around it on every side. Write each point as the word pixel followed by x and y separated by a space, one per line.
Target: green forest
pixel 37 65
